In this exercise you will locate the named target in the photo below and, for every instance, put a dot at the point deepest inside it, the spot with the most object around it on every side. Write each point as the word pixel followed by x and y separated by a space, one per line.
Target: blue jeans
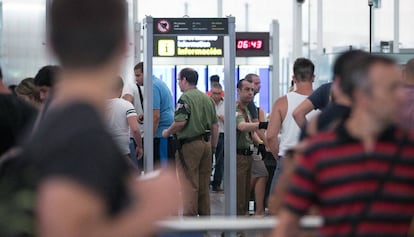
pixel 133 154
pixel 219 167
pixel 276 174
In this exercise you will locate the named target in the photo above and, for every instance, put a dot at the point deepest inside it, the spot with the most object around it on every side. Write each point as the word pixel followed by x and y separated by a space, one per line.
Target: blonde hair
pixel 27 88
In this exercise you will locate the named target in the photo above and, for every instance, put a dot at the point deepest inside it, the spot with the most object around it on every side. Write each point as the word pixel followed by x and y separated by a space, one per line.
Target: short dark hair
pixel 215 78
pixel 86 33
pixel 345 66
pixel 355 74
pixel 240 83
pixel 303 69
pixel 409 68
pixel 249 77
pixel 1 74
pixel 46 76
pixel 190 74
pixel 139 66
pixel 344 59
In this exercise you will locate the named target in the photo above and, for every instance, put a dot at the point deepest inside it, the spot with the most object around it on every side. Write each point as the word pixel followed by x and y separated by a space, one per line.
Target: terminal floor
pixel 217 209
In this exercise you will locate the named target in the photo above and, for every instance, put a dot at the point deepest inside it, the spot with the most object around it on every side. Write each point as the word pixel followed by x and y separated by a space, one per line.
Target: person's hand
pixel 213 150
pixel 262 148
pixel 141 118
pixel 159 195
pixel 140 152
pixel 165 133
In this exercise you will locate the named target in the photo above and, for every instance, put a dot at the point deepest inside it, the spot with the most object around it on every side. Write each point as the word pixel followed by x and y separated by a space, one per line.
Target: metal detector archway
pixel 196 26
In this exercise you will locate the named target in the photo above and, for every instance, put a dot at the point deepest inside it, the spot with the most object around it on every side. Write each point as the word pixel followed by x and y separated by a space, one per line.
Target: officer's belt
pixel 204 136
pixel 244 152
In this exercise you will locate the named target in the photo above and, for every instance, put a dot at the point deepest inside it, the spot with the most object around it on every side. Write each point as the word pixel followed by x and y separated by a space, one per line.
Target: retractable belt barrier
pixel 222 223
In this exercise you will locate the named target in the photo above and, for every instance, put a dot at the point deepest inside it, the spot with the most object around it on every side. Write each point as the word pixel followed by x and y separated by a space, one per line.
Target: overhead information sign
pixel 190 26
pixel 252 44
pixel 188 46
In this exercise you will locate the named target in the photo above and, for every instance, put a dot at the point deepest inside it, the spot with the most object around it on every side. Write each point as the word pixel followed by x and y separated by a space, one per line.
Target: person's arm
pixel 275 124
pixel 299 114
pixel 256 139
pixel 175 127
pixel 181 116
pixel 136 133
pixel 248 127
pixel 156 107
pixel 261 132
pixel 214 134
pixel 288 224
pixel 155 119
pixel 65 208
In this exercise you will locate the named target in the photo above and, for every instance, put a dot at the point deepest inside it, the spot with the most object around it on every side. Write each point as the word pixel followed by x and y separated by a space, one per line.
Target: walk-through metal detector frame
pixel 229 103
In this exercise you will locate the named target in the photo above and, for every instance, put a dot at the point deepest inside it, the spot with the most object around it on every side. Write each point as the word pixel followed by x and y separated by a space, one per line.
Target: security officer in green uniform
pixel 195 120
pixel 245 128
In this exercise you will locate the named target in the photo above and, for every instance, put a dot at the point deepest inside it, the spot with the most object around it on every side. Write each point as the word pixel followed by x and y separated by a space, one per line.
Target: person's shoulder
pixel 238 107
pixel 162 87
pixel 7 97
pixel 407 134
pixel 64 125
pixel 124 104
pixel 326 86
pixel 321 141
pixel 323 88
pixel 199 94
pixel 73 115
pixel 282 99
pixel 14 101
pixel 280 103
pixel 156 82
pixel 123 101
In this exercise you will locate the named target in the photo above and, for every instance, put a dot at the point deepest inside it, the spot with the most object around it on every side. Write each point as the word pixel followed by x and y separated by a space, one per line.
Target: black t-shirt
pixel 15 117
pixel 72 142
pixel 320 97
pixel 334 113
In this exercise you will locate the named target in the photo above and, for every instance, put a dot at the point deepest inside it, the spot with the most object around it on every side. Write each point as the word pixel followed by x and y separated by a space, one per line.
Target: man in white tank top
pixel 281 119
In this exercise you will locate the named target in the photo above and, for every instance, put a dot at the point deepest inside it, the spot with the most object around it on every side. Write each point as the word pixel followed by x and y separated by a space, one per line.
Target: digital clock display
pixel 249 44
pixel 252 44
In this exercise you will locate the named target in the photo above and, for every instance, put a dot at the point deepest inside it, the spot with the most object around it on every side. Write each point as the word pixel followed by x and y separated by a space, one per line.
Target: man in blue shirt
pixel 163 117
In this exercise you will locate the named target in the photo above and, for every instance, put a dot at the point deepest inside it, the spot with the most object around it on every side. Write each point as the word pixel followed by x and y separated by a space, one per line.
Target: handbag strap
pixel 141 97
pixel 378 192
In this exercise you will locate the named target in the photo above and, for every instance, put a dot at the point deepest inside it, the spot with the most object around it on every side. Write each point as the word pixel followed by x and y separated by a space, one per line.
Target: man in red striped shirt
pixel 361 175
